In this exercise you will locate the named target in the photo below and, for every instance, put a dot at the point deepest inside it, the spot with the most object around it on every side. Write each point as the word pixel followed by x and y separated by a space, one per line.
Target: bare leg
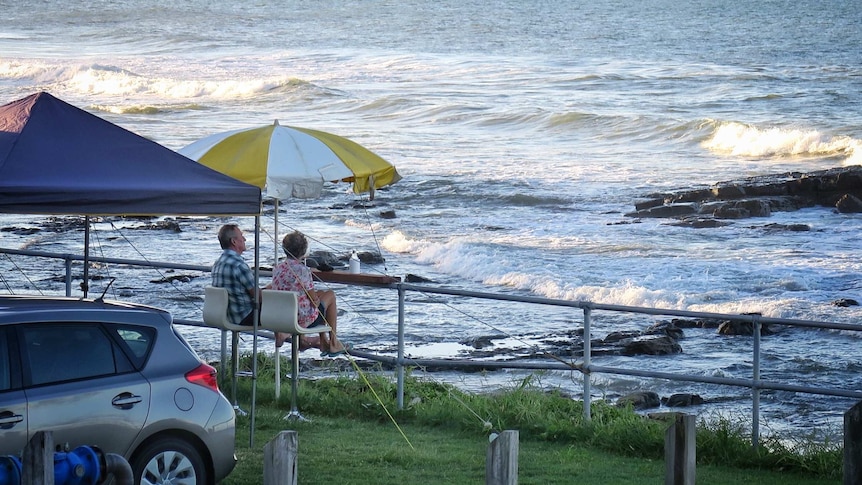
pixel 327 297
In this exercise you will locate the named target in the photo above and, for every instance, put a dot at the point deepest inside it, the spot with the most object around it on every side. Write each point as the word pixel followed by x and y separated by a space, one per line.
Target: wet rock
pixel 699 223
pixel 849 204
pixel 652 345
pixel 729 327
pixel 785 227
pixel 682 400
pixel 21 231
pixel 845 302
pixel 183 278
pixel 165 225
pixel 665 328
pixel 324 258
pixel 481 341
pixel 412 278
pixel 387 214
pixel 640 400
pixel 615 337
pixel 759 196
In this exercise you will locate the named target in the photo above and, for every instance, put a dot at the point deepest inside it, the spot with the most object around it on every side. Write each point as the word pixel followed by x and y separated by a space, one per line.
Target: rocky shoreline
pixel 717 205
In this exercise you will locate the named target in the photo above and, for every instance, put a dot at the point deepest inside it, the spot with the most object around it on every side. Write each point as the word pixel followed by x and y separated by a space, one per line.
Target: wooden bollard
pixel 279 459
pixel 37 465
pixel 680 451
pixel 853 445
pixel 501 463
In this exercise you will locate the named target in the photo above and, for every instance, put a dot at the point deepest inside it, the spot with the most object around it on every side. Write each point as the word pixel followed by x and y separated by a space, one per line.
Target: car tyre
pixel 169 461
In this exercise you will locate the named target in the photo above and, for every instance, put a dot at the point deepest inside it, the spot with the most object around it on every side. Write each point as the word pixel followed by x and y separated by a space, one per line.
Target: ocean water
pixel 525 131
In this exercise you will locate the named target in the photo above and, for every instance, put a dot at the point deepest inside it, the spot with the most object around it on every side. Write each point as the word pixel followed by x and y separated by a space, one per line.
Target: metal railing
pixel 585 367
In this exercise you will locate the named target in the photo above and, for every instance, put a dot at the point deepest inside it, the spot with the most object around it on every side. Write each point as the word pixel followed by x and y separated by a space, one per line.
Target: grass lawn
pixel 352 440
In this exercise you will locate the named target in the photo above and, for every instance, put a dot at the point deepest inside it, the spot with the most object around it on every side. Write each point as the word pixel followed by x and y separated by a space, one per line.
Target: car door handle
pixel 126 400
pixel 8 419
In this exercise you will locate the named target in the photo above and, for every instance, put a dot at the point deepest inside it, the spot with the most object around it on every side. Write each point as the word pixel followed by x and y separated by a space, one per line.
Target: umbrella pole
pixel 274 263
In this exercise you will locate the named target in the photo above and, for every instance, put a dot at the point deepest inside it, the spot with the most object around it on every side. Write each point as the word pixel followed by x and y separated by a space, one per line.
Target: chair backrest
pixel 278 311
pixel 215 307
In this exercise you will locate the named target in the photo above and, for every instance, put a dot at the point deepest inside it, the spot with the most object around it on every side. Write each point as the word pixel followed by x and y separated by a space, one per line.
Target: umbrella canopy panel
pixel 59 159
pixel 287 161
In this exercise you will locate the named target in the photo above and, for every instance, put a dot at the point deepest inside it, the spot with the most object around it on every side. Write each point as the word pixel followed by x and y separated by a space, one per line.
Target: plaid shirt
pixel 231 272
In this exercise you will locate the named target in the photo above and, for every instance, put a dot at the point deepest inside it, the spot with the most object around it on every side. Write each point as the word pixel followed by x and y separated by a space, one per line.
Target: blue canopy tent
pixel 57 159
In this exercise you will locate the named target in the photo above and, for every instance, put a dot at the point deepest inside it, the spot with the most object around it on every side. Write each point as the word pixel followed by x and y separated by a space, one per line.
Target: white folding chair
pixel 278 312
pixel 215 315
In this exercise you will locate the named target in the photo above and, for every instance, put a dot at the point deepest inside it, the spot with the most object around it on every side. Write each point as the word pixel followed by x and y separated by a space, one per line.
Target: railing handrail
pixel 585 367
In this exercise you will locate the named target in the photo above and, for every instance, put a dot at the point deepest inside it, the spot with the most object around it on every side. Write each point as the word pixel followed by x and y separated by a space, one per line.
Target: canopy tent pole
pixel 86 284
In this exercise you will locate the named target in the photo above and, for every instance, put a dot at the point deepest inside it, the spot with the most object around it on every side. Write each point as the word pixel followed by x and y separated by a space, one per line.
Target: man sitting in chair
pixel 316 307
pixel 232 273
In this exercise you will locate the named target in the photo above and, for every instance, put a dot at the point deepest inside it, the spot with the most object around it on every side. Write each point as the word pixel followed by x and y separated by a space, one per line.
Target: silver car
pixel 116 376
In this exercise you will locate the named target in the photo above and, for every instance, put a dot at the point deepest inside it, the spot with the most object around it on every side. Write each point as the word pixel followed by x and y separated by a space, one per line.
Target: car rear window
pixel 138 341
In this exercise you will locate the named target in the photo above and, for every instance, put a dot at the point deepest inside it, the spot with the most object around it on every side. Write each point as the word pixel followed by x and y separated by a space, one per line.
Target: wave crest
pixel 744 140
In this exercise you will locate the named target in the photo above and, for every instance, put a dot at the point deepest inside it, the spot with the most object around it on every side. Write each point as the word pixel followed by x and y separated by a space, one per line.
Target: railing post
pixel 68 276
pixel 586 367
pixel 680 451
pixel 755 387
pixel 38 463
pixel 501 463
pixel 399 366
pixel 279 459
pixel 853 445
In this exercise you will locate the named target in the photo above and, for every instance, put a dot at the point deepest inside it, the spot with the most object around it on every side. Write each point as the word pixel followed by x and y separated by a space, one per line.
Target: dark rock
pixel 665 328
pixel 21 231
pixel 615 337
pixel 371 257
pixel 742 209
pixel 652 345
pixel 640 400
pixel 785 227
pixel 325 257
pixel 412 278
pixel 845 302
pixel 672 210
pixel 760 196
pixel 849 204
pixel 728 327
pixel 387 214
pixel 164 225
pixel 699 223
pixel 183 278
pixel 481 341
pixel 682 400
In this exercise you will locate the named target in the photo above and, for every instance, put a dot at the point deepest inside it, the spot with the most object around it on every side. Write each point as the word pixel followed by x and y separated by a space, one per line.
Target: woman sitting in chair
pixel 316 307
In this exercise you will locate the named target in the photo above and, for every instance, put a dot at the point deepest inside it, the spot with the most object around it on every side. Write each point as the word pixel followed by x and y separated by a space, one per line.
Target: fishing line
pixel 485 423
pixel 20 270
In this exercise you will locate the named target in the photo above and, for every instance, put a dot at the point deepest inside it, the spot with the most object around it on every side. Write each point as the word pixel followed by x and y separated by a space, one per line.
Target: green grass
pixel 442 437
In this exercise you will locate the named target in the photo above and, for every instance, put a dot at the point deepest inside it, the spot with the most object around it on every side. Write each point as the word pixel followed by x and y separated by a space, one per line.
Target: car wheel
pixel 169 461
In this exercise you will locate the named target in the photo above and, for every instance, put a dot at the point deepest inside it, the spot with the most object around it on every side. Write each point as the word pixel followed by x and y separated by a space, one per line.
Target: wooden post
pixel 501 463
pixel 279 459
pixel 680 451
pixel 853 445
pixel 37 466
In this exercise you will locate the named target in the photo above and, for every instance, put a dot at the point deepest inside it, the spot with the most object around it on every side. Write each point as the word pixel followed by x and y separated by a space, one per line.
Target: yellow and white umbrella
pixel 286 161
pixel 290 162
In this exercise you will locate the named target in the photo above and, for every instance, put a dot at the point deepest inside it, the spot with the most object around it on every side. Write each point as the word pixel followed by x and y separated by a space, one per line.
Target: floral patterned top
pixel 292 275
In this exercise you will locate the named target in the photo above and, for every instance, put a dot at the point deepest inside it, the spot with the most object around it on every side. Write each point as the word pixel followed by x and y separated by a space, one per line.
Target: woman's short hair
pixel 295 244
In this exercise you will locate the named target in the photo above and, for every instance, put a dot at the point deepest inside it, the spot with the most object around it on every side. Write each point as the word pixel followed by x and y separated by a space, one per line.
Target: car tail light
pixel 203 375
